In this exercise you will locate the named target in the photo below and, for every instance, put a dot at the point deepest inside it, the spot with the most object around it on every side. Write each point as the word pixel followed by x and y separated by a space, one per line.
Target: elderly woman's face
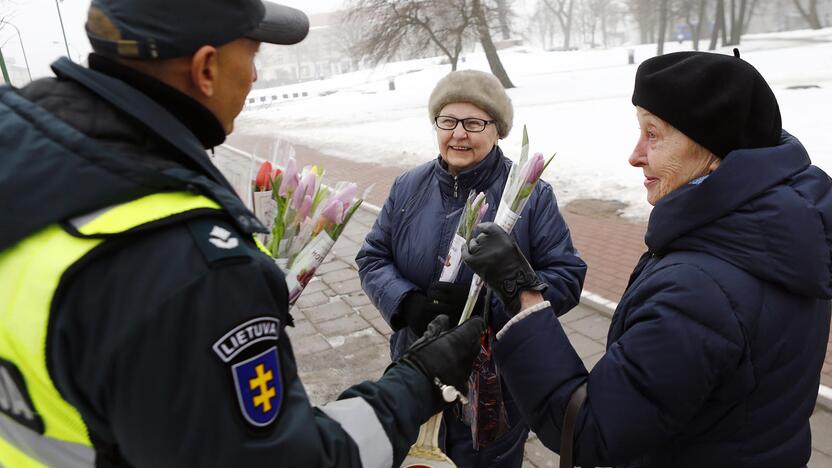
pixel 667 156
pixel 459 148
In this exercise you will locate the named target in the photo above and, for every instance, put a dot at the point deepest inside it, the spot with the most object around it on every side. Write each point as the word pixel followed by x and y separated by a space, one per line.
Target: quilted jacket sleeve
pixel 380 278
pixel 552 254
pixel 680 341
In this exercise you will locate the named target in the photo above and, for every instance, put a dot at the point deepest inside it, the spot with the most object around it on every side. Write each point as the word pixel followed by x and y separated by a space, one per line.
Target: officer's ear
pixel 205 70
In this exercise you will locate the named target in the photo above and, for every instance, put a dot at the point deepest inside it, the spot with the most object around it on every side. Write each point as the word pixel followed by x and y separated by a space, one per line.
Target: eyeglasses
pixel 470 124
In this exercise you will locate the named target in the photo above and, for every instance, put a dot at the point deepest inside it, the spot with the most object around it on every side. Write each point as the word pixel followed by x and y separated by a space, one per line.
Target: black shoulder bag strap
pixel 567 435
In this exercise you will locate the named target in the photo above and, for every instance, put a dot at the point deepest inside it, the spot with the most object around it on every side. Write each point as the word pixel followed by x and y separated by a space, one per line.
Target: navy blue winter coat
pixel 714 352
pixel 403 252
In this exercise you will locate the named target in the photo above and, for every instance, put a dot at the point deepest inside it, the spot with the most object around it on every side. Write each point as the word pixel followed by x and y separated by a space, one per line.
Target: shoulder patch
pixel 250 351
pixel 217 240
pixel 247 334
pixel 259 387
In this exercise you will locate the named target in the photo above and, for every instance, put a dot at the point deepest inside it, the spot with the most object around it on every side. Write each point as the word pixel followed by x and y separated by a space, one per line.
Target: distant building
pixel 322 54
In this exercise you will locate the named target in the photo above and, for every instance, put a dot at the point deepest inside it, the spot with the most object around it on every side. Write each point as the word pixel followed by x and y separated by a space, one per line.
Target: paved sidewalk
pixel 340 339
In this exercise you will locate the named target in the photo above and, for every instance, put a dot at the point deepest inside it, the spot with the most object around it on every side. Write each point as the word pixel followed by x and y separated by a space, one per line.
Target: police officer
pixel 141 325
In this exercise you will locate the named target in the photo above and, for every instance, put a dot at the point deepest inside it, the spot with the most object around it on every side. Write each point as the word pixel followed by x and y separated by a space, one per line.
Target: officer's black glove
pixel 447 355
pixel 495 256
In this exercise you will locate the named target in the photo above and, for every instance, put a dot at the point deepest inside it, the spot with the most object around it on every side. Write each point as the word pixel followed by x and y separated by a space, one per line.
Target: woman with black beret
pixel 714 353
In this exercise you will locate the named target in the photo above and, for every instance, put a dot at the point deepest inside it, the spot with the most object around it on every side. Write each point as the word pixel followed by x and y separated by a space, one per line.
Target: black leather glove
pixel 448 299
pixel 495 256
pixel 415 313
pixel 447 354
pixel 442 298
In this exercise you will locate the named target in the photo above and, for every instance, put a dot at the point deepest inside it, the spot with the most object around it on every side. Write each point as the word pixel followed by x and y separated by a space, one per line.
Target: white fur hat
pixel 478 88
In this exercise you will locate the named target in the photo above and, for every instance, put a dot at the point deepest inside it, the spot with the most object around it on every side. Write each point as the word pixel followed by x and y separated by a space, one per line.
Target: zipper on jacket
pixel 456 186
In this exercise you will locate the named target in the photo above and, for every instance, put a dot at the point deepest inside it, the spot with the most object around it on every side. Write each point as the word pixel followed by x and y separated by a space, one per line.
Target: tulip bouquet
pixel 472 213
pixel 306 218
pixel 522 178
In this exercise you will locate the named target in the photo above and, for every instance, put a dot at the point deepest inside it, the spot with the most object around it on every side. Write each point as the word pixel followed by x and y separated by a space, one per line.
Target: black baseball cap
pixel 156 29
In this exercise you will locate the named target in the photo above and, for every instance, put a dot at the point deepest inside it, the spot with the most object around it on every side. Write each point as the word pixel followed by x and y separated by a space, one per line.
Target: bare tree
pixel 543 21
pixel 691 11
pixel 592 14
pixel 738 13
pixel 663 14
pixel 809 13
pixel 719 24
pixel 388 26
pixel 504 16
pixel 563 10
pixel 488 45
pixel 644 12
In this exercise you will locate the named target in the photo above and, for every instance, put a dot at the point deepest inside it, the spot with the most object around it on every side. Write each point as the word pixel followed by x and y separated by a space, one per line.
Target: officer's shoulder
pixel 219 241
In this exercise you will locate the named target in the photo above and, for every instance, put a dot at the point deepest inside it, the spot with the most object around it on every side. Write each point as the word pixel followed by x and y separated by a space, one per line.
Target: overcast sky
pixel 41 30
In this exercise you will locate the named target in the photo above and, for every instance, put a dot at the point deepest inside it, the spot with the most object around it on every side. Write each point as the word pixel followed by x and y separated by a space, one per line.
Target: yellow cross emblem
pixel 261 383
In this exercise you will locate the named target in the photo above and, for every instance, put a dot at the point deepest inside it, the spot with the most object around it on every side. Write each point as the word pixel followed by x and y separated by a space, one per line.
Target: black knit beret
pixel 718 101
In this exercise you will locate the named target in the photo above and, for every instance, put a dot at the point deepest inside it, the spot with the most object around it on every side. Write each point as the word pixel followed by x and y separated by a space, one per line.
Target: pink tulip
pixel 303 210
pixel 304 189
pixel 290 178
pixel 333 211
pixel 346 194
pixel 483 210
pixel 535 168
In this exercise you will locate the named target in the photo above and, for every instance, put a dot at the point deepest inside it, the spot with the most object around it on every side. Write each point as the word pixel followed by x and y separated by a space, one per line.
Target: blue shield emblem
pixel 259 387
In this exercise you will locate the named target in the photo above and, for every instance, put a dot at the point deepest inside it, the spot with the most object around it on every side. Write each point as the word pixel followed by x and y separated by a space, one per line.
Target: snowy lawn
pixel 574 103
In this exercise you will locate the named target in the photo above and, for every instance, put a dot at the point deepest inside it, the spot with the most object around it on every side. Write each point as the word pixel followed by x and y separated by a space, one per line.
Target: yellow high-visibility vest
pixel 37 425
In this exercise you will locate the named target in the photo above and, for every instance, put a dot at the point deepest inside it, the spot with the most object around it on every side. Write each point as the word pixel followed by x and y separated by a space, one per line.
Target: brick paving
pixel 340 339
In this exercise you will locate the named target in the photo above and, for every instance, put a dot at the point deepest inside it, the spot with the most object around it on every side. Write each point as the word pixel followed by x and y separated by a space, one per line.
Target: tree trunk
pixel 488 45
pixel 697 33
pixel 568 31
pixel 662 27
pixel 604 28
pixel 810 14
pixel 503 13
pixel 750 15
pixel 719 23
pixel 737 21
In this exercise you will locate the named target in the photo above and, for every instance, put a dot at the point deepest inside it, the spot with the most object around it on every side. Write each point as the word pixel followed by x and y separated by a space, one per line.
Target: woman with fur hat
pixel 400 260
pixel 714 352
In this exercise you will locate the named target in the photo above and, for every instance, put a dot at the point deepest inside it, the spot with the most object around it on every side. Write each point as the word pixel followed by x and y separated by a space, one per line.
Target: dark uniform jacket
pixel 146 330
pixel 714 352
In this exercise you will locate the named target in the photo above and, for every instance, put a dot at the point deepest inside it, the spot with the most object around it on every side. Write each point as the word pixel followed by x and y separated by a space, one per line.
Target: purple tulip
pixel 306 188
pixel 333 211
pixel 304 208
pixel 346 194
pixel 535 168
pixel 290 178
pixel 483 210
pixel 478 199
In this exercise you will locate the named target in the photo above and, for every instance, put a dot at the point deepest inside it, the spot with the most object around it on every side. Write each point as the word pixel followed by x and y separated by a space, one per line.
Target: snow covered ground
pixel 574 103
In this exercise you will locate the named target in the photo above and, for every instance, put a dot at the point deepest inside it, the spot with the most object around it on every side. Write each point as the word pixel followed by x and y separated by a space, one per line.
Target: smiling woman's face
pixel 667 156
pixel 459 148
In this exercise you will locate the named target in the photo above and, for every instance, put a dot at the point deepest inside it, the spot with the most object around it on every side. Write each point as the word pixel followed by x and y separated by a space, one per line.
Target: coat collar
pixel 742 176
pixel 199 120
pixel 479 177
pixel 164 125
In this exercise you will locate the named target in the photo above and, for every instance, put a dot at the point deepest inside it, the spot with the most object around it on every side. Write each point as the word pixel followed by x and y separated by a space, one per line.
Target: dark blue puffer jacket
pixel 404 250
pixel 714 353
